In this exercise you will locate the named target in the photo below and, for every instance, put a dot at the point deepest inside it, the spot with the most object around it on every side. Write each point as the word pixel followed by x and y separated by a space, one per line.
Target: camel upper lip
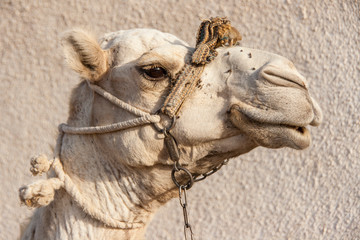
pixel 294 125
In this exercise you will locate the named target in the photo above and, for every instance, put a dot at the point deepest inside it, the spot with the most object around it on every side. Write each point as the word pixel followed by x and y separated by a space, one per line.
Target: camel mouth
pixel 298 129
pixel 270 134
pixel 301 134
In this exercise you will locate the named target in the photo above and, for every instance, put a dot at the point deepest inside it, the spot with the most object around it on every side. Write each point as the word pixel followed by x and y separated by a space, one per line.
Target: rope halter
pixel 144 117
pixel 212 34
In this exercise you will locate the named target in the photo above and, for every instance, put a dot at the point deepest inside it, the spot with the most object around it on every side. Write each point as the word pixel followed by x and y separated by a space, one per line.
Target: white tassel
pixel 40 193
pixel 39 165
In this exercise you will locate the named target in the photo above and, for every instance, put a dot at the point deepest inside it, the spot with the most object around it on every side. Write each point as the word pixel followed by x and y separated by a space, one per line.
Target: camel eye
pixel 154 73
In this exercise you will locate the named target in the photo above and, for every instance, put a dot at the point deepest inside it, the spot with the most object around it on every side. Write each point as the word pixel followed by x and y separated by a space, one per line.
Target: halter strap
pixel 144 117
pixel 118 102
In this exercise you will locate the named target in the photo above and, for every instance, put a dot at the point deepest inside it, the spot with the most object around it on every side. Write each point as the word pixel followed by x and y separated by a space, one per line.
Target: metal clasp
pixel 172 146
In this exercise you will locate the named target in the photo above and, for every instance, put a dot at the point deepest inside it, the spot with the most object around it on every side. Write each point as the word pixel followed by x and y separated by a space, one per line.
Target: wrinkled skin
pixel 246 98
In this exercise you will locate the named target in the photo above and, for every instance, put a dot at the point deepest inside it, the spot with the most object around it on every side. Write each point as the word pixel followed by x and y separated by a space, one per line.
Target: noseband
pixel 212 34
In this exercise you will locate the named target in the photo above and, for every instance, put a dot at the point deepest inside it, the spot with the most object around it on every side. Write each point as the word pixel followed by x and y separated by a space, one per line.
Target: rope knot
pixel 39 164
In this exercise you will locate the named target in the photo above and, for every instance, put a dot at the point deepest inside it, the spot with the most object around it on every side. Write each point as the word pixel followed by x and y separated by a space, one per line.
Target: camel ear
pixel 84 55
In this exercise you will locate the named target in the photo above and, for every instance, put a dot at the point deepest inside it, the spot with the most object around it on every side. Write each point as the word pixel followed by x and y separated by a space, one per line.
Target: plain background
pixel 266 194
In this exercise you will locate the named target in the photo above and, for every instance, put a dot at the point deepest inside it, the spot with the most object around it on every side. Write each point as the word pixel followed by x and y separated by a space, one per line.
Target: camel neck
pixel 65 220
pixel 108 188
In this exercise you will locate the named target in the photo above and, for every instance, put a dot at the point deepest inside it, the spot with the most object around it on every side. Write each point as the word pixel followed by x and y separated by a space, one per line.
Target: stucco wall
pixel 266 194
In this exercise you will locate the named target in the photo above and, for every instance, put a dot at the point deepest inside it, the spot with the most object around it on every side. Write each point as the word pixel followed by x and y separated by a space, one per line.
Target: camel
pixel 246 98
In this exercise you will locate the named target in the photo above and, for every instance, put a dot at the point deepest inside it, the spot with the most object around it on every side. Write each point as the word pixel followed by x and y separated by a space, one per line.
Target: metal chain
pixel 201 177
pixel 174 154
pixel 183 202
pixel 188 233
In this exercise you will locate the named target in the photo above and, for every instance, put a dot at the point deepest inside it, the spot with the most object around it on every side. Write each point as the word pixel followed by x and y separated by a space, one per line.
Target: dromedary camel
pixel 111 183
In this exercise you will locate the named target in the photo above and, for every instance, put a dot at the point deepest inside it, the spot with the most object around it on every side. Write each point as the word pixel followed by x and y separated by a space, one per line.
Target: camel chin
pixel 270 135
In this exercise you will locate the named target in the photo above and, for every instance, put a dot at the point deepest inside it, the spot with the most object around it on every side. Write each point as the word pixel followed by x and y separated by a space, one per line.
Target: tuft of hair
pixel 84 55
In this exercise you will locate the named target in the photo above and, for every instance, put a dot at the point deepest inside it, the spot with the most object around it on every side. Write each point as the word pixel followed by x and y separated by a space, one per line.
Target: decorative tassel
pixel 40 193
pixel 39 165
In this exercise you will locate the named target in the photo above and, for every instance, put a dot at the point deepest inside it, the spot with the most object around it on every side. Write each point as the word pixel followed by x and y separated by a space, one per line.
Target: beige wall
pixel 266 194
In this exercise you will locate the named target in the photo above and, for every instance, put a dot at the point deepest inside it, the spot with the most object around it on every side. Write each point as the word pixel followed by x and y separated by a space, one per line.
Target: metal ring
pixel 166 129
pixel 189 184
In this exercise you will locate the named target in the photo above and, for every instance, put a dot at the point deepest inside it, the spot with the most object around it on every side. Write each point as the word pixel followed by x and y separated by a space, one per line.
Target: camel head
pixel 246 97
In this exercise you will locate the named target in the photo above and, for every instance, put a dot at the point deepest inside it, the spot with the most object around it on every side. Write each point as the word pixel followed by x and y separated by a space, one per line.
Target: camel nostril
pixel 283 76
